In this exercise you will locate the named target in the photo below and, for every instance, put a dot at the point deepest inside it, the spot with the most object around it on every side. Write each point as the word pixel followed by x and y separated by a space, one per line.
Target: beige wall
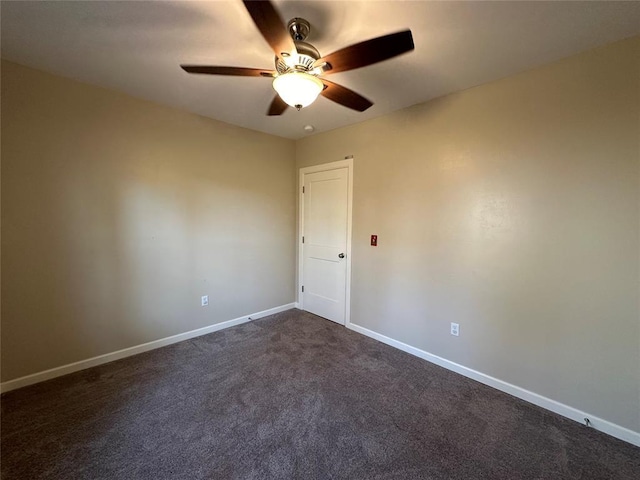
pixel 513 209
pixel 118 214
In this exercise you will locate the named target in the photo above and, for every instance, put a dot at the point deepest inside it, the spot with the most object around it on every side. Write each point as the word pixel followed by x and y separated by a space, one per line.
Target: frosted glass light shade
pixel 297 89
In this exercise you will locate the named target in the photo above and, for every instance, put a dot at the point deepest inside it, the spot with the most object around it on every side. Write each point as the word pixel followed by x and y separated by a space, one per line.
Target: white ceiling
pixel 136 47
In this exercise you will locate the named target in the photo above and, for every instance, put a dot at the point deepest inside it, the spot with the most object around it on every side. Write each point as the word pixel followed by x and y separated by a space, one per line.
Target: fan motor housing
pixel 306 55
pixel 302 61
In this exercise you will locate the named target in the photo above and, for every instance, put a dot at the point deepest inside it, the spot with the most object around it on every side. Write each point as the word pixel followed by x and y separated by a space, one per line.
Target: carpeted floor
pixel 291 396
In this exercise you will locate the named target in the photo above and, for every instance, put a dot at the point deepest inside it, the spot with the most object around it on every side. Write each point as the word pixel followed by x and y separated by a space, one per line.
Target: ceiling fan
pixel 299 72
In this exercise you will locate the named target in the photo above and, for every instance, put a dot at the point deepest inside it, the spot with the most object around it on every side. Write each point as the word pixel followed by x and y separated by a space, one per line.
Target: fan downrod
pixel 299 29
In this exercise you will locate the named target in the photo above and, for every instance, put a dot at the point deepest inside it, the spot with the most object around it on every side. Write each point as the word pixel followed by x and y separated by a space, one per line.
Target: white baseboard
pixel 566 411
pixel 127 352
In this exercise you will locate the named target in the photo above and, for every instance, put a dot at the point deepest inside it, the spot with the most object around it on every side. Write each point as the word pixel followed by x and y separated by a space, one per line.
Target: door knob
pixel 341 255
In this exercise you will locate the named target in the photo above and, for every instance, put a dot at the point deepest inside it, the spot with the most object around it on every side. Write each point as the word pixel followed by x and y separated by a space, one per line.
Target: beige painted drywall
pixel 118 214
pixel 513 209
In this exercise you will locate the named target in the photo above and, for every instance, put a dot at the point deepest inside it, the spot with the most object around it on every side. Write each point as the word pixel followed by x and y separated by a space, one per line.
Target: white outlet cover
pixel 204 300
pixel 455 329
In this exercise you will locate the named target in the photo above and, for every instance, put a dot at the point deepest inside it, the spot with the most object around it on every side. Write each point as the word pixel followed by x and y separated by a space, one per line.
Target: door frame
pixel 346 163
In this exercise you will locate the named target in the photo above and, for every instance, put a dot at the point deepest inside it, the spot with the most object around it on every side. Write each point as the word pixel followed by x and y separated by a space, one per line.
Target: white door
pixel 324 247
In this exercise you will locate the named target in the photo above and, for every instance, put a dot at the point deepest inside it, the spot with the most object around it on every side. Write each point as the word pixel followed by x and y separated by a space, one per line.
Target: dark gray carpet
pixel 291 396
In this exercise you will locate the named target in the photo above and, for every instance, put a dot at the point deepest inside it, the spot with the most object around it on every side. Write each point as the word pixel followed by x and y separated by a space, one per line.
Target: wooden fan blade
pixel 368 52
pixel 237 71
pixel 277 106
pixel 344 96
pixel 271 26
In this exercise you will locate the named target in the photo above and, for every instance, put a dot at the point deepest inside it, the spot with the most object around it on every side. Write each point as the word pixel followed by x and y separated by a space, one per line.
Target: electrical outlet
pixel 204 300
pixel 455 329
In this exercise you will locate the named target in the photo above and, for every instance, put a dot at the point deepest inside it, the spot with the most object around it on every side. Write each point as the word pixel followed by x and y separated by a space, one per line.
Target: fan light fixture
pixel 298 89
pixel 300 70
